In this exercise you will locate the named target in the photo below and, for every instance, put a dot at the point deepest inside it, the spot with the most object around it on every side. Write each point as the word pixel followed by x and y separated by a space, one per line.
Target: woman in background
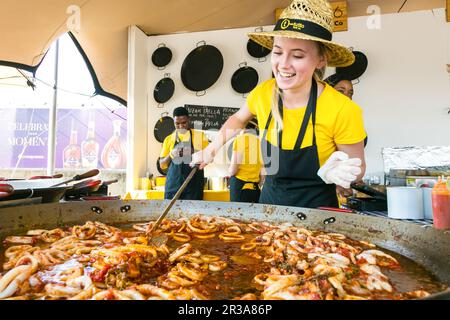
pixel 245 167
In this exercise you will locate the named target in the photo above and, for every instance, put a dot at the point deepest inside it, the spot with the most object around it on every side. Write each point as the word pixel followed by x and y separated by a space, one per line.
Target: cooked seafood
pixel 205 258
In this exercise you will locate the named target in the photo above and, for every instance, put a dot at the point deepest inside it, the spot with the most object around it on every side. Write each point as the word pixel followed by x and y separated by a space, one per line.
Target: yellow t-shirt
pixel 199 142
pixel 338 120
pixel 247 144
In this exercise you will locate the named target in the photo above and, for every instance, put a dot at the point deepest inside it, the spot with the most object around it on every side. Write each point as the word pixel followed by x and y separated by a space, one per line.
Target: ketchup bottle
pixel 440 197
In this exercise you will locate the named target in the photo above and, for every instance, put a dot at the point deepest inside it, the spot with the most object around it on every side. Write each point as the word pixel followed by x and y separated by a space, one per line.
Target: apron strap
pixel 310 111
pixel 177 139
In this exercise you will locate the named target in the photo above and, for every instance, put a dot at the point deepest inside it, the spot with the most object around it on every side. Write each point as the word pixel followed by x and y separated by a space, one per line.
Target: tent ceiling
pixel 27 28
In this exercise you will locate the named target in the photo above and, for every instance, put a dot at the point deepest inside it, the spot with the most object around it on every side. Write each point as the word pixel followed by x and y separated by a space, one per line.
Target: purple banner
pixel 94 138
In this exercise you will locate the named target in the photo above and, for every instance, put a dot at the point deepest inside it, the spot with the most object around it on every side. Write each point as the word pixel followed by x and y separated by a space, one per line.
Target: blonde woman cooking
pixel 312 136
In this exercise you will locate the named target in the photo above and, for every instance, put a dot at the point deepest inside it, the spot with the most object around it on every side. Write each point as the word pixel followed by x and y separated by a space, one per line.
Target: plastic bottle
pixel 440 196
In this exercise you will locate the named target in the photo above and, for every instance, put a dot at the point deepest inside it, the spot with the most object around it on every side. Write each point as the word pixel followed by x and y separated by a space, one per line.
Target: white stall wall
pixel 404 93
pixel 137 107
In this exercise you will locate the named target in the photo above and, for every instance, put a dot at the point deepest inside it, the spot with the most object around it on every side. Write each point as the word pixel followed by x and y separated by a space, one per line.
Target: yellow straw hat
pixel 308 20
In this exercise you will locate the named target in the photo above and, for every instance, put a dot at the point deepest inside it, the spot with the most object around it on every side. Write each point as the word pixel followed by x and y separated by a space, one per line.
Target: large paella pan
pixel 97 250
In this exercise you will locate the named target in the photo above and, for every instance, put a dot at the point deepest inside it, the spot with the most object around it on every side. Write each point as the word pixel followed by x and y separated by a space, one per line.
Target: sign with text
pixel 209 117
pixel 84 138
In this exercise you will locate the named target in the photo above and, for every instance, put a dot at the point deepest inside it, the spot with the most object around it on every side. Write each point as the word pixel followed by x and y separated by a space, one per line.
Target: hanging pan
pixel 163 127
pixel 256 50
pixel 355 70
pixel 201 68
pixel 244 79
pixel 161 56
pixel 164 90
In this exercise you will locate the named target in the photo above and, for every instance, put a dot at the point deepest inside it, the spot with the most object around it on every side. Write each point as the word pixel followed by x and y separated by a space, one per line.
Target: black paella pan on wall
pixel 164 89
pixel 163 127
pixel 201 68
pixel 356 69
pixel 256 50
pixel 244 79
pixel 162 56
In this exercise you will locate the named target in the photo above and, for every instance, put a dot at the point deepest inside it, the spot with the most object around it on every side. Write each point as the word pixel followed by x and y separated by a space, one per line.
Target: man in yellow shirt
pixel 176 155
pixel 245 166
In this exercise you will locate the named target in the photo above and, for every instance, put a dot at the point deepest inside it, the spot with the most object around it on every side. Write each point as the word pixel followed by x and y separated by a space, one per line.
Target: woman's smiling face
pixel 294 62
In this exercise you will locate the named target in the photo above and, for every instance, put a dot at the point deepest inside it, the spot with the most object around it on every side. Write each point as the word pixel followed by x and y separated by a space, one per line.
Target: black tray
pixel 364 188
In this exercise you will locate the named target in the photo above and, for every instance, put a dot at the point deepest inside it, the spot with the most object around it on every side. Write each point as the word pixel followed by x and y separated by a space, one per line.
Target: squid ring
pixel 17 250
pixel 181 237
pixel 231 237
pixel 176 277
pixel 233 230
pixel 28 260
pixel 204 236
pixel 217 266
pixel 21 240
pixel 36 232
pixel 190 272
pixel 248 246
pixel 84 232
pixel 141 226
pixel 209 258
pixel 42 258
pixel 52 235
pixel 192 258
pixel 10 282
pixel 204 229
pixel 180 251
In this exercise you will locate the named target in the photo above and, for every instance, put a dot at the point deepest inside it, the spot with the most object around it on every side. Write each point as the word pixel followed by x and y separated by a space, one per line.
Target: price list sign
pixel 209 117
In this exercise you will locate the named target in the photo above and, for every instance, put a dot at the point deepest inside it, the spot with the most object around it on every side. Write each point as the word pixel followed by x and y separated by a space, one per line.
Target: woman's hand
pixel 203 157
pixel 343 192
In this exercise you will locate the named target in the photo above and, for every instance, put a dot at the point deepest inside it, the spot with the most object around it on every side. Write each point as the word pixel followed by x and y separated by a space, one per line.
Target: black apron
pixel 179 169
pixel 237 194
pixel 296 182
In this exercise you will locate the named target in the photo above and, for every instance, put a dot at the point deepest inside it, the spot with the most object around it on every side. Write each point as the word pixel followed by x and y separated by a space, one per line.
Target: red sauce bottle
pixel 440 196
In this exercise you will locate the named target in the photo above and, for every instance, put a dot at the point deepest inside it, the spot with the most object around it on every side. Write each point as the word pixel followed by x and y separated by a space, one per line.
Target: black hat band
pixel 303 26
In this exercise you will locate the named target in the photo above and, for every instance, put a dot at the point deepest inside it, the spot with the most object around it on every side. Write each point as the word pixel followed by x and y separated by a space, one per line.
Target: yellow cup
pixel 160 181
pixel 144 183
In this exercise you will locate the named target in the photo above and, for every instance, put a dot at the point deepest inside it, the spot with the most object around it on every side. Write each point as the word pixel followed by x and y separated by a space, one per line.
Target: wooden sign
pixel 340 15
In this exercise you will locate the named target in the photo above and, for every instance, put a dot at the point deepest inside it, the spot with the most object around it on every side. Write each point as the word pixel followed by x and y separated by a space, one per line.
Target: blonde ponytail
pixel 319 73
pixel 274 107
